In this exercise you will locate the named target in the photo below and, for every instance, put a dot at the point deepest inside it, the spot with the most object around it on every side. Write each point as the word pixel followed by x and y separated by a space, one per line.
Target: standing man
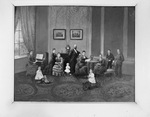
pixel 110 58
pixel 118 63
pixel 73 58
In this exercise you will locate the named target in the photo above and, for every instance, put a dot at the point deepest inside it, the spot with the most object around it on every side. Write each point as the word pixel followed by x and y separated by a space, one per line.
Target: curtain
pixel 17 14
pixel 27 17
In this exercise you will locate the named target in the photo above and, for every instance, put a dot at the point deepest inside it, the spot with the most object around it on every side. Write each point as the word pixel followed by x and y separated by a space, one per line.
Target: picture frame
pixel 76 34
pixel 59 34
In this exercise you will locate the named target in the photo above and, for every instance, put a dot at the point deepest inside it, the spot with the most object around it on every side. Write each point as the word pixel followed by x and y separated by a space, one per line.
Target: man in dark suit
pixel 118 63
pixel 73 58
pixel 109 58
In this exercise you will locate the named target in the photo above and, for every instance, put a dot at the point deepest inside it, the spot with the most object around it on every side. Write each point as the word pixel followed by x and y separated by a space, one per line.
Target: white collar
pixel 75 50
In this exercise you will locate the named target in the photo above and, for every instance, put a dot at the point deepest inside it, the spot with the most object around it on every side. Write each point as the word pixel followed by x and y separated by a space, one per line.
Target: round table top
pixel 92 61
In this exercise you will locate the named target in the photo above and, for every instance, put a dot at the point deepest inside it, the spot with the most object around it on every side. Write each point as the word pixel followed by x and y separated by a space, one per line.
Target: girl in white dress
pixel 39 74
pixel 91 83
pixel 91 77
pixel 67 70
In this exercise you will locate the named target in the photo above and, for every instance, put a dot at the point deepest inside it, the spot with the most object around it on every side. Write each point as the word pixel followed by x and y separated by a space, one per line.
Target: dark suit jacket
pixel 119 59
pixel 53 59
pixel 74 55
pixel 110 57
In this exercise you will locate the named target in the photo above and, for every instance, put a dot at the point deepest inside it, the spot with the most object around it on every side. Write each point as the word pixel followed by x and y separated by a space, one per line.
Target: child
pixel 67 70
pixel 91 77
pixel 39 76
pixel 91 81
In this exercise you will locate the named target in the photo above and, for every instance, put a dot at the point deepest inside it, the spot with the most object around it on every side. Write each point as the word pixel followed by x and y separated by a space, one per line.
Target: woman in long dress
pixel 100 67
pixel 31 66
pixel 58 67
pixel 48 69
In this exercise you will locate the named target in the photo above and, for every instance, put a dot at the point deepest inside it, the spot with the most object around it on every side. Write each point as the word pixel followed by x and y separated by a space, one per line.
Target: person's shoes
pixel 42 81
pixel 38 81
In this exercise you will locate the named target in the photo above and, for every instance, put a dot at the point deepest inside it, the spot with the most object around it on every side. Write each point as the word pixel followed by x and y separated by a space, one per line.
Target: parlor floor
pixel 70 89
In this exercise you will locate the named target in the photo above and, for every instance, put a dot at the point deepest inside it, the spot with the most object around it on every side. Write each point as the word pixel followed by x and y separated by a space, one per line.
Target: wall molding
pixel 102 30
pixel 125 32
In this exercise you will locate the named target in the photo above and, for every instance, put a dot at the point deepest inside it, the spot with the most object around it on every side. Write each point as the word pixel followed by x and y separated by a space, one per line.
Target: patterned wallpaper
pixel 70 17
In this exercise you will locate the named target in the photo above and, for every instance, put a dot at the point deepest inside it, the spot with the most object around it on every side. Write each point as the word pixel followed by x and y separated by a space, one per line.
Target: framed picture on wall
pixel 59 34
pixel 76 34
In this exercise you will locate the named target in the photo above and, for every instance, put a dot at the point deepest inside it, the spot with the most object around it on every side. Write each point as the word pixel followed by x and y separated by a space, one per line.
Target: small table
pixel 91 64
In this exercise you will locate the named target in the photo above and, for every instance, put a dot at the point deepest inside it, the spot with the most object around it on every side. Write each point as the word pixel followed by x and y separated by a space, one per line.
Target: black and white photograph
pixel 95 66
pixel 74 58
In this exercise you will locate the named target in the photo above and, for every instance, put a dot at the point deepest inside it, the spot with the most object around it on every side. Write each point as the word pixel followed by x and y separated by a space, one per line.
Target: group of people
pixel 76 64
pixel 110 62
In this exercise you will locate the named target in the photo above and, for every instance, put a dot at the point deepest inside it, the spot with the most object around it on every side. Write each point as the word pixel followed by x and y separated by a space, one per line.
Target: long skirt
pixel 31 69
pixel 57 70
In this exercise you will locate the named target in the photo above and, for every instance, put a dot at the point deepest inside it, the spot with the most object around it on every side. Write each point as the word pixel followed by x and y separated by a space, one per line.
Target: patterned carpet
pixel 70 89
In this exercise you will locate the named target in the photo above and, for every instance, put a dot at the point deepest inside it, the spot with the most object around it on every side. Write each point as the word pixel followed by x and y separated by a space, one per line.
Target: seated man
pixel 81 67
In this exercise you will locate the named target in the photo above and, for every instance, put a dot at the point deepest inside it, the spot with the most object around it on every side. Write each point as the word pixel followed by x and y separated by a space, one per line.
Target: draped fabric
pixel 27 17
pixel 17 14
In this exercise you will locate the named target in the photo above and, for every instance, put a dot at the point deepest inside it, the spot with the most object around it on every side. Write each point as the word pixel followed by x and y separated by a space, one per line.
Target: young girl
pixel 91 77
pixel 67 70
pixel 39 76
pixel 91 83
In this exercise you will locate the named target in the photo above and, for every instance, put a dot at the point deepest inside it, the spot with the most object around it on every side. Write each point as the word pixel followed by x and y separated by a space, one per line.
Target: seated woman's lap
pixel 98 69
pixel 81 69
